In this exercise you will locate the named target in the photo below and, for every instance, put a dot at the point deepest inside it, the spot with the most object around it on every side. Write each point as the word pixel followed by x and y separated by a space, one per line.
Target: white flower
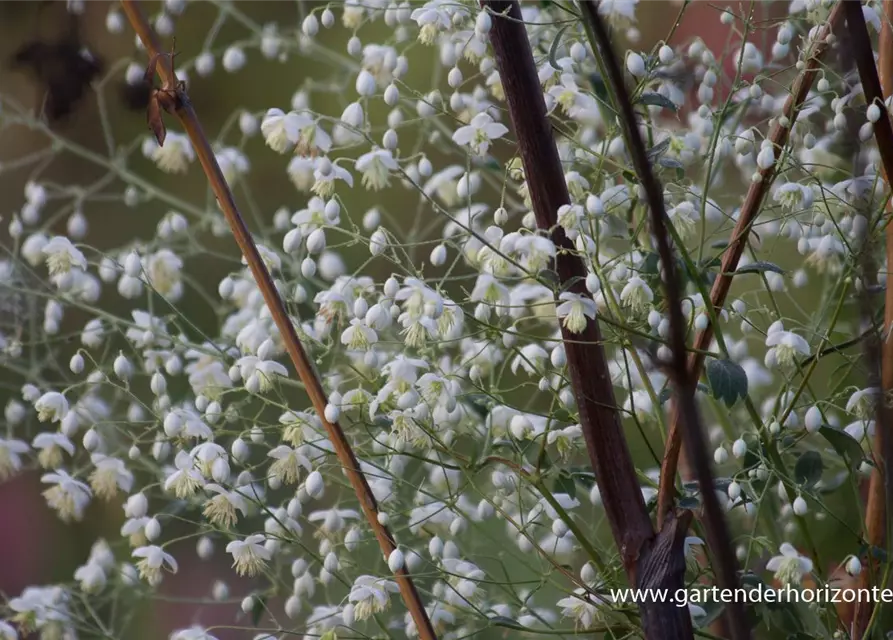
pixel 574 309
pixel 259 374
pixel 370 595
pixel 479 133
pixel 863 402
pixel 417 329
pixel 325 175
pixel 826 253
pixel 790 566
pixel 233 163
pixel 288 463
pixel 582 609
pixel 565 439
pixel 489 290
pixel 8 632
pixel 530 358
pixel 786 346
pixel 174 156
pixel 281 130
pixel 434 17
pixel 376 166
pixel 61 256
pixel 636 295
pixel 153 560
pixel 221 509
pixel 10 456
pixel 109 476
pixel 163 273
pixel 620 13
pixel 40 607
pixel 91 577
pixel 358 336
pixel 684 218
pixel 332 520
pixel 793 196
pixel 249 555
pixel 69 497
pixel 284 132
pixel 464 581
pixel 186 479
pixel 300 172
pixel 51 406
pixel 193 633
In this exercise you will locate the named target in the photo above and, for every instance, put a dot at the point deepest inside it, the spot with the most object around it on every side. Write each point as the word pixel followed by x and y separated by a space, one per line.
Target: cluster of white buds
pixel 150 382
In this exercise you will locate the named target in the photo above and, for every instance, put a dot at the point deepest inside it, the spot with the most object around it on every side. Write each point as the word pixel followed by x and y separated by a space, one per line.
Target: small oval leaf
pixel 759 267
pixel 652 99
pixel 728 380
pixel 808 469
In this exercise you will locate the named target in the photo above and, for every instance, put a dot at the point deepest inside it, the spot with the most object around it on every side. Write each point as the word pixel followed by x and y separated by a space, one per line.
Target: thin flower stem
pixel 349 463
pixel 753 202
pixel 875 88
pixel 726 566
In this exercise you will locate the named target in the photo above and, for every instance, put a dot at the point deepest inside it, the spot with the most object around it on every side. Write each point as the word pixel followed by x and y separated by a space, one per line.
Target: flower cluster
pixel 151 377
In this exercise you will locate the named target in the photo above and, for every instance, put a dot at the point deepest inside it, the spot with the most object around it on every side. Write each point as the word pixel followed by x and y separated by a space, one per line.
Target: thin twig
pixel 882 476
pixel 349 463
pixel 718 535
pixel 649 560
pixel 753 202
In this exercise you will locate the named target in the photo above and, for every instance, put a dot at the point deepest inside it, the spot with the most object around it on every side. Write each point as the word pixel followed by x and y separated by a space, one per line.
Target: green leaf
pixel 258 609
pixel 553 50
pixel 846 446
pixel 586 478
pixel 751 580
pixel 503 621
pixel 599 88
pixel 564 483
pixel 727 379
pixel 808 469
pixel 658 150
pixel 549 277
pixel 652 99
pixel 481 403
pixel 759 267
pixel 670 163
pixel 383 422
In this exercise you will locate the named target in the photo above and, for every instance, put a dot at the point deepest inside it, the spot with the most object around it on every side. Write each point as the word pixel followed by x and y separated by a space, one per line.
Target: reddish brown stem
pixel 649 560
pixel 343 450
pixel 875 88
pixel 753 202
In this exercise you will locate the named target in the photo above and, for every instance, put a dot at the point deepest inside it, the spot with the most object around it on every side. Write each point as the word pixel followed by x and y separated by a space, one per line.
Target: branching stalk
pixel 649 560
pixel 875 88
pixel 753 203
pixel 182 109
pixel 719 538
